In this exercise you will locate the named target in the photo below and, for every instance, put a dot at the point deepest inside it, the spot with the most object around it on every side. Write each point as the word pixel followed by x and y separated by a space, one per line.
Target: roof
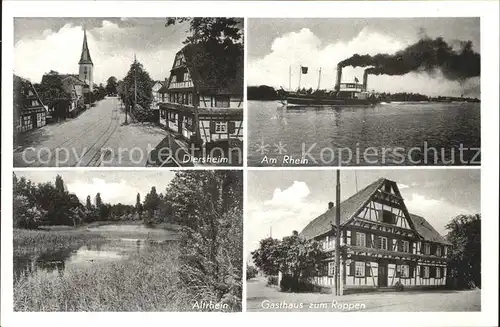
pixel 349 207
pixel 85 56
pixel 51 78
pixel 426 230
pixel 19 84
pixel 215 67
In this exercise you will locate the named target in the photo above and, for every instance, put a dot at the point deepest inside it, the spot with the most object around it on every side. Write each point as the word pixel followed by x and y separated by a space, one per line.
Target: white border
pixel 487 10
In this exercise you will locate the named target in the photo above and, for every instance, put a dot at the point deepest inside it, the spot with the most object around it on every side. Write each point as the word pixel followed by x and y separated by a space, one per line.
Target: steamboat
pixel 344 94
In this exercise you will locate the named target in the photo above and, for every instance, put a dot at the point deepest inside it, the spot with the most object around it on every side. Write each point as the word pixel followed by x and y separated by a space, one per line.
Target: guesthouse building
pixel 382 244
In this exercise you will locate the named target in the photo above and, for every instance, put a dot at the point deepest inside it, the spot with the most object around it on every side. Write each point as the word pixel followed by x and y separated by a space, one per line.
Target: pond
pixel 116 242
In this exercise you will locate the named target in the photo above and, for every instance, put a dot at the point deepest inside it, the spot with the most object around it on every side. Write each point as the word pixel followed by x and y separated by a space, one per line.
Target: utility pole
pixel 300 76
pixel 338 236
pixel 135 80
pixel 289 77
pixel 319 78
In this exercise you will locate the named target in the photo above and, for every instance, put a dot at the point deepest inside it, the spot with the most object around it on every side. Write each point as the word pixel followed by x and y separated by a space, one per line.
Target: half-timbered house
pixel 382 244
pixel 29 111
pixel 195 87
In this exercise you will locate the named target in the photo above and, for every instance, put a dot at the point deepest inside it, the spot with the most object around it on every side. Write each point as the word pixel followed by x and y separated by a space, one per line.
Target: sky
pixel 44 44
pixel 279 202
pixel 114 186
pixel 274 45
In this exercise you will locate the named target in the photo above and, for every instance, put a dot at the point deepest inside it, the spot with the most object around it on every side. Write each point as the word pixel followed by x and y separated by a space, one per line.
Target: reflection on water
pixel 112 248
pixel 405 125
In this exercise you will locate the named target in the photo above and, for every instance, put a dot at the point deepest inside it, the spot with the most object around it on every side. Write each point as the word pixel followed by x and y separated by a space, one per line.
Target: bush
pixel 292 284
pixel 399 287
pixel 272 280
pixel 251 272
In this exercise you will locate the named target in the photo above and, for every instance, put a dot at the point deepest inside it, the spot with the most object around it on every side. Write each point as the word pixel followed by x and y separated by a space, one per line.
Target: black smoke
pixel 426 55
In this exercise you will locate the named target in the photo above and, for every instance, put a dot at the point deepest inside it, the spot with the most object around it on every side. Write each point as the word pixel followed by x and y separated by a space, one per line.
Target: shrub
pixel 272 280
pixel 251 272
pixel 399 287
pixel 293 284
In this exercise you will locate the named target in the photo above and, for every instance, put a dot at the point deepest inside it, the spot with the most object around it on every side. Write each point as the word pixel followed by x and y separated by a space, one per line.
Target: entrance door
pixel 382 275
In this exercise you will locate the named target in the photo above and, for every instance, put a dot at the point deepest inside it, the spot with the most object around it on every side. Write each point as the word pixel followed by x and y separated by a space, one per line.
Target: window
pixel 30 93
pixel 382 242
pixel 221 127
pixel 189 123
pixel 222 101
pixel 360 269
pixel 360 239
pixel 427 248
pixel 405 271
pixel 388 217
pixel 331 268
pixel 438 251
pixel 438 272
pixel 406 246
pixel 186 76
pixel 329 243
pixel 174 78
pixel 426 271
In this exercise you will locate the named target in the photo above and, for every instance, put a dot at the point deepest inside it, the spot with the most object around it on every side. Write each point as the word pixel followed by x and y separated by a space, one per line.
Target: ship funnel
pixel 365 80
pixel 339 78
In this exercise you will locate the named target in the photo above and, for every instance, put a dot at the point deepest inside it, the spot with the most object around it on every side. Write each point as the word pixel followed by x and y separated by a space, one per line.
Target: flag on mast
pixel 303 69
pixel 356 79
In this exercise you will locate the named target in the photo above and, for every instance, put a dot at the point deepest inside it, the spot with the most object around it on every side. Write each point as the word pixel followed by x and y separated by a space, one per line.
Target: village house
pixel 73 86
pixel 382 244
pixel 29 111
pixel 195 86
pixel 157 96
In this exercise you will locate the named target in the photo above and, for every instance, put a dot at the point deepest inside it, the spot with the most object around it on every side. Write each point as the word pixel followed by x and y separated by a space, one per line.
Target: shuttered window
pixel 405 271
pixel 331 268
pixel 427 248
pixel 438 251
pixel 438 272
pixel 382 242
pixel 406 246
pixel 426 272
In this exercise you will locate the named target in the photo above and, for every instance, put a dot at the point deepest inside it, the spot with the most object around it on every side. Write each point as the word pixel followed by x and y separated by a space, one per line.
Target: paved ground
pixel 97 137
pixel 262 298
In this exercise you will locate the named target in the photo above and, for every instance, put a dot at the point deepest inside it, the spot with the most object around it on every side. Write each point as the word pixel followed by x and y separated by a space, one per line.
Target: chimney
pixel 330 205
pixel 365 81
pixel 339 78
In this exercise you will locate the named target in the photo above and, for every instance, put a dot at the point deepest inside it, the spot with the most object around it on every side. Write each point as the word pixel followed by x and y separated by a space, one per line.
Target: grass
pixel 144 282
pixel 44 242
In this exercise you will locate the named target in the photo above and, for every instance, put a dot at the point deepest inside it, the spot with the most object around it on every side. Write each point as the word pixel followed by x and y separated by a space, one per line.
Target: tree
pixel 251 272
pixel 144 87
pixel 138 205
pixel 151 201
pixel 26 215
pixel 98 201
pixel 88 204
pixel 464 234
pixel 53 95
pixel 208 205
pixel 60 187
pixel 266 257
pixel 111 85
pixel 210 29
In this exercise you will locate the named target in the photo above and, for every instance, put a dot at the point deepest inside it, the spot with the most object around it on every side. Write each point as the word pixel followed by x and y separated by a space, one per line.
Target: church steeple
pixel 85 56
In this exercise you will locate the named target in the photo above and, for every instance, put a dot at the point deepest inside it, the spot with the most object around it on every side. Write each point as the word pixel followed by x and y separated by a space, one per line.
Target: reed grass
pixel 144 282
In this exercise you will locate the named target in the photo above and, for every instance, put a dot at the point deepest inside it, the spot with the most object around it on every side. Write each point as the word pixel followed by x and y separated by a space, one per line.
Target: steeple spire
pixel 85 57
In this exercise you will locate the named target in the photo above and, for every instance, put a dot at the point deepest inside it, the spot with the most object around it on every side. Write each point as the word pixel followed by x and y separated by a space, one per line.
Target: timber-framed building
pixel 197 86
pixel 382 244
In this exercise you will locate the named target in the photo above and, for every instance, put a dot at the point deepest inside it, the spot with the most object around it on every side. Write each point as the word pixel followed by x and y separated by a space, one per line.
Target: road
pixel 263 298
pixel 97 137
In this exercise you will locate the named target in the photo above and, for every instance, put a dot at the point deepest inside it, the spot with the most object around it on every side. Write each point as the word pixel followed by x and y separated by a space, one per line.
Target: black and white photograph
pixel 122 92
pixel 128 241
pixel 364 91
pixel 409 240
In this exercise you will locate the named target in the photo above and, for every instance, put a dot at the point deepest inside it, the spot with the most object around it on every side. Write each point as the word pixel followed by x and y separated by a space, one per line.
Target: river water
pixel 384 134
pixel 118 242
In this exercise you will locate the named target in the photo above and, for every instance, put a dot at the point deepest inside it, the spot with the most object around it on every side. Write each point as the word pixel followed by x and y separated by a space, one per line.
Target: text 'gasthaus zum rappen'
pixel 333 305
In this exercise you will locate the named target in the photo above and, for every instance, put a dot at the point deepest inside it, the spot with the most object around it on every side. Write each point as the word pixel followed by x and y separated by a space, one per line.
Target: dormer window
pixel 438 251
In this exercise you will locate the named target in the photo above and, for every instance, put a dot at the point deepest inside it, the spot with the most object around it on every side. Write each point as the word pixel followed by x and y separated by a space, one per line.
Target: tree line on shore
pixel 298 259
pixel 265 92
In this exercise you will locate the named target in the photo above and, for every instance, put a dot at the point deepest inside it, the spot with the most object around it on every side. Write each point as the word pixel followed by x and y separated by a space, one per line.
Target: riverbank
pixel 146 281
pixel 99 267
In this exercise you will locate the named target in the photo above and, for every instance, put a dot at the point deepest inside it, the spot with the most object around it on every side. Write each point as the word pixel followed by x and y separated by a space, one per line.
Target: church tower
pixel 86 72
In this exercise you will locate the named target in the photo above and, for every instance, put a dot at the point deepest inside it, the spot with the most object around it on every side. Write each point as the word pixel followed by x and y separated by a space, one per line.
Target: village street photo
pixel 363 240
pixel 123 92
pixel 128 240
pixel 364 91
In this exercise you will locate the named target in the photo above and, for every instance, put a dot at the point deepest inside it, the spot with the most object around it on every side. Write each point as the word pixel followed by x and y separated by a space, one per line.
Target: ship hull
pixel 327 101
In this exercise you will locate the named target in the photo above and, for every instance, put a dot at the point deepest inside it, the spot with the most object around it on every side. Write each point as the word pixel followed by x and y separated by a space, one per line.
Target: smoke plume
pixel 426 55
